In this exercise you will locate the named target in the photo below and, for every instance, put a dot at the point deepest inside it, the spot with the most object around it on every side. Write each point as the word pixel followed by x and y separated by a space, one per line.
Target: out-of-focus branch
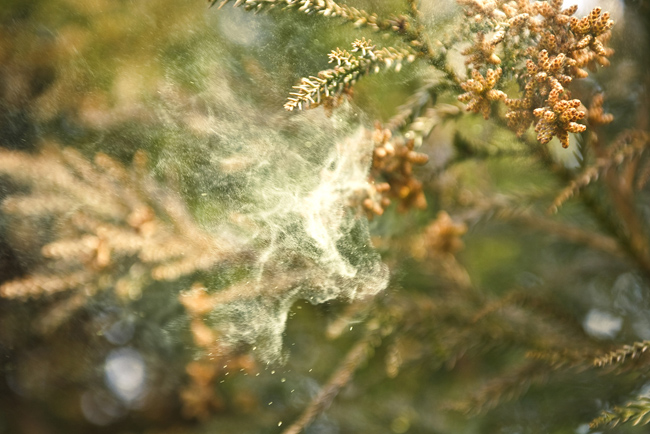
pixel 357 355
pixel 504 210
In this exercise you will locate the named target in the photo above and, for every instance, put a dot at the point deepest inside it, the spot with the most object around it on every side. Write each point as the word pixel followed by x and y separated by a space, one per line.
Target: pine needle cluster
pixel 329 85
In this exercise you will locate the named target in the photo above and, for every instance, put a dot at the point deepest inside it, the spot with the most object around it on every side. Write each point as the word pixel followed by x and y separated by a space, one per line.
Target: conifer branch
pixel 327 8
pixel 564 359
pixel 627 147
pixel 503 209
pixel 119 231
pixel 619 356
pixel 504 388
pixel 330 84
pixel 420 114
pixel 636 411
pixel 644 176
pixel 413 107
pixel 357 355
pixel 559 47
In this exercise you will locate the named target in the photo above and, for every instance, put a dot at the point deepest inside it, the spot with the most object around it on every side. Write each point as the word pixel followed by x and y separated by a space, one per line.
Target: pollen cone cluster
pixel 542 46
pixel 391 175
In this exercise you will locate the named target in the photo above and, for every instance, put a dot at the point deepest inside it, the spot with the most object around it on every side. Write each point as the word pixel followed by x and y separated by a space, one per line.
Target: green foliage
pixel 636 412
pixel 159 205
pixel 332 83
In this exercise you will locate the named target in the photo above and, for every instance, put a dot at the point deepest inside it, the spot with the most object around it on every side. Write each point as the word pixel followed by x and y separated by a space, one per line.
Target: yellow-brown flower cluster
pixel 391 175
pixel 480 93
pixel 560 120
pixel 483 50
pixel 596 115
pixel 554 46
pixel 443 235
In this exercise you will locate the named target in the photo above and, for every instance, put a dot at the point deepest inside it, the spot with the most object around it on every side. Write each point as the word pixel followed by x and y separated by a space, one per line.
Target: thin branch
pixel 619 356
pixel 636 411
pixel 635 247
pixel 329 84
pixel 357 355
pixel 507 387
pixel 626 149
pixel 564 231
pixel 327 8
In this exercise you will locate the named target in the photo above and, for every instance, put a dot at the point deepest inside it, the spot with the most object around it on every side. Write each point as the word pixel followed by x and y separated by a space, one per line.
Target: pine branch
pixel 643 176
pixel 413 107
pixel 419 115
pixel 629 146
pixel 565 359
pixel 504 388
pixel 359 353
pixel 503 209
pixel 636 411
pixel 327 8
pixel 114 229
pixel 332 83
pixel 534 304
pixel 622 354
pixel 632 240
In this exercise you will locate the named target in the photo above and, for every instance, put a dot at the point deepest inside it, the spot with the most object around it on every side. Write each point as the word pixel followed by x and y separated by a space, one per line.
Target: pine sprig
pixel 629 146
pixel 503 388
pixel 408 27
pixel 626 352
pixel 564 359
pixel 327 8
pixel 416 104
pixel 636 411
pixel 330 84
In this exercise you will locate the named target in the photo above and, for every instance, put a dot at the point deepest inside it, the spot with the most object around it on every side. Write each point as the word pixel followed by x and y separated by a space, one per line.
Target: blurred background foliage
pixel 494 333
